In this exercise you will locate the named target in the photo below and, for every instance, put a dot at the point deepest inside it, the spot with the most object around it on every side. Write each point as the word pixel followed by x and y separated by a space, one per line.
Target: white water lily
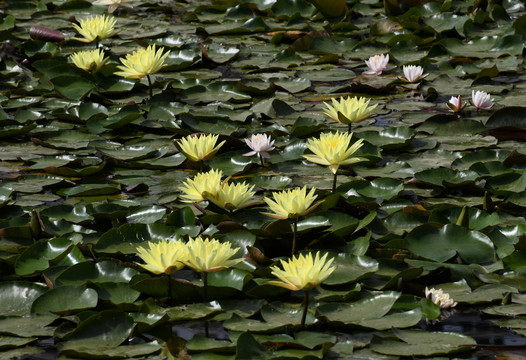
pixel 413 73
pixel 260 144
pixel 440 298
pixel 113 4
pixel 481 100
pixel 455 104
pixel 376 64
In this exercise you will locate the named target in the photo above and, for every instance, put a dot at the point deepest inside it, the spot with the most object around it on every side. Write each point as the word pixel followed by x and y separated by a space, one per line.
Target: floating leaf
pixel 422 343
pixel 18 296
pixel 64 299
pixel 441 245
pixel 39 256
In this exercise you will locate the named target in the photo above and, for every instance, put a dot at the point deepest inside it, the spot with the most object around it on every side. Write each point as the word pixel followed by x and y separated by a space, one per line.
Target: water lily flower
pixel 202 187
pixel 260 144
pixel 413 73
pixel 440 298
pixel 350 110
pixel 481 100
pixel 303 273
pixel 112 4
pixel 292 203
pixel 455 104
pixel 233 196
pixel 163 257
pixel 95 27
pixel 142 62
pixel 333 150
pixel 199 147
pixel 376 64
pixel 210 255
pixel 89 60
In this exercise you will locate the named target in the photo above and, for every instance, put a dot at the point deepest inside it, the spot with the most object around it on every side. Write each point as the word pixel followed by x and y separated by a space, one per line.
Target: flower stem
pixel 294 234
pixel 261 159
pixel 150 86
pixel 205 296
pixel 169 286
pixel 334 182
pixel 205 286
pixel 305 307
pixel 349 130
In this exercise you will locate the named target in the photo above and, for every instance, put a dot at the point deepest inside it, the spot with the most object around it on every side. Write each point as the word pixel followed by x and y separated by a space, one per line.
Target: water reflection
pixel 485 332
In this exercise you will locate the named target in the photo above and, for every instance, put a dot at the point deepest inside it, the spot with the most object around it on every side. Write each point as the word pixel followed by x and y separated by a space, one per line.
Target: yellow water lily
pixel 163 257
pixel 202 186
pixel 142 62
pixel 89 60
pixel 207 256
pixel 233 196
pixel 199 147
pixel 95 28
pixel 292 203
pixel 303 272
pixel 350 110
pixel 333 150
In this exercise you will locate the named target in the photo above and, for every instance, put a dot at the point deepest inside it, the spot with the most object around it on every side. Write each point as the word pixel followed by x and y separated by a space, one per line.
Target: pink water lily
pixel 376 64
pixel 481 100
pixel 455 104
pixel 260 144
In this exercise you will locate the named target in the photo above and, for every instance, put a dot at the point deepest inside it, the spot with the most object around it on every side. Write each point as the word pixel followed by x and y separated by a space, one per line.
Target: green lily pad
pixel 384 188
pixel 237 323
pixel 90 190
pixel 422 343
pixel 64 299
pixel 101 272
pixel 193 311
pixel 391 138
pixel 126 238
pixel 441 245
pixel 75 88
pixel 8 342
pixel 17 297
pixel 351 268
pixel 205 344
pixel 445 176
pixel 127 153
pixel 396 320
pixel 373 307
pixel 42 254
pixel 461 292
pixel 27 326
pixel 104 329
pixel 475 218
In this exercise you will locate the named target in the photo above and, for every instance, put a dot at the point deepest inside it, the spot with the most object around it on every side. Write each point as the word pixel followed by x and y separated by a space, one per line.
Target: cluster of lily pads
pixel 165 191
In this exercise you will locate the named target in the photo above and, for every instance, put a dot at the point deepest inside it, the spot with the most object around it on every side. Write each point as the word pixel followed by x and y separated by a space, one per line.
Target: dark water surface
pixel 485 332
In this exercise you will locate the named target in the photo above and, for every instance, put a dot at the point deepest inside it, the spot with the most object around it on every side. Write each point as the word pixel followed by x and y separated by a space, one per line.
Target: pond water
pixel 484 331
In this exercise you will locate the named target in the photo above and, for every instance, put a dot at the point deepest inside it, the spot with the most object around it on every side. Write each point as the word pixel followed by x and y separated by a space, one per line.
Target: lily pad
pixel 422 343
pixel 441 245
